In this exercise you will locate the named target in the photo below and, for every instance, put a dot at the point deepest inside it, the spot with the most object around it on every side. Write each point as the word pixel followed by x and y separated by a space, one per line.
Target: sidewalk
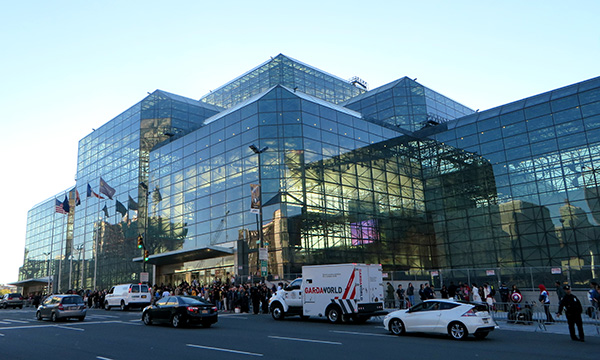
pixel 559 326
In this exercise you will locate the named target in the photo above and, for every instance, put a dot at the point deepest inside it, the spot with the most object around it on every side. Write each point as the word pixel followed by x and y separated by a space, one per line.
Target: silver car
pixel 56 307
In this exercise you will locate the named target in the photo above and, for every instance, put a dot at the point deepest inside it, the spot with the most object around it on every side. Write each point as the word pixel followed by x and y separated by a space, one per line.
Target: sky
pixel 67 67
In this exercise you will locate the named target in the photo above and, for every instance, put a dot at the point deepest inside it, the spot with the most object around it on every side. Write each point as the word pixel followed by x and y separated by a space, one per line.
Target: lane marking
pixel 69 328
pixel 17 321
pixel 358 333
pixel 224 350
pixel 103 358
pixel 234 316
pixel 1 334
pixel 4 323
pixel 306 340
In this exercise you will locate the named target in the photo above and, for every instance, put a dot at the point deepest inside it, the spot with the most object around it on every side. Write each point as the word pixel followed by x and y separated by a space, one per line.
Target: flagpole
pixel 96 244
pixel 52 245
pixel 61 253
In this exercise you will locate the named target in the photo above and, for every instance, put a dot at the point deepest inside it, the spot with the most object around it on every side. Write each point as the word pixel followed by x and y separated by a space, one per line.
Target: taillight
pixel 470 313
pixel 192 309
pixel 215 309
pixel 60 307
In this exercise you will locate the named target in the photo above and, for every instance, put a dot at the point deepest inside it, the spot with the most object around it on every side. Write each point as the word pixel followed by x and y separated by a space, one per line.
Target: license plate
pixel 143 296
pixel 205 311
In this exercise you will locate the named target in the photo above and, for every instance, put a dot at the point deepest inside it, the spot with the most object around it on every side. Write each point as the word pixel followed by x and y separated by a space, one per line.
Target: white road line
pixel 69 328
pixel 103 358
pixel 225 350
pixel 1 334
pixel 233 316
pixel 306 340
pixel 358 333
pixel 4 323
pixel 17 321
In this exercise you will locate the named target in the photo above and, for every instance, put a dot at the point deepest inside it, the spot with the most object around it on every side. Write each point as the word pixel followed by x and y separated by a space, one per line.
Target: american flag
pixel 59 207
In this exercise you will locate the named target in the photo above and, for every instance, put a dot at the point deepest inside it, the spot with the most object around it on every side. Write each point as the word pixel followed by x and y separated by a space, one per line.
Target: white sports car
pixel 455 318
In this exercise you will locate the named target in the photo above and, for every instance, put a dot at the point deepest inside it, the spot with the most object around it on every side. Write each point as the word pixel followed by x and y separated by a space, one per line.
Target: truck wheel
pixel 334 315
pixel 123 306
pixel 106 306
pixel 277 312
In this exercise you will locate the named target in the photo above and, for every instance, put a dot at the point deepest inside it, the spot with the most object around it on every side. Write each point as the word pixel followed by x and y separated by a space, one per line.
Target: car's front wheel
pixel 277 312
pixel 397 327
pixel 106 306
pixel 177 321
pixel 38 315
pixel 146 318
pixel 334 315
pixel 458 331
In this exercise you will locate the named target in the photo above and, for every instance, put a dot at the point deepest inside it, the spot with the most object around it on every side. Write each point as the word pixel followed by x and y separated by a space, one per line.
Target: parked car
pixel 180 311
pixel 125 296
pixel 14 300
pixel 455 318
pixel 56 307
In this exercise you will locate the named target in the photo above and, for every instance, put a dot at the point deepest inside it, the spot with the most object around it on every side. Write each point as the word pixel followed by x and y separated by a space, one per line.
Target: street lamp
pixel 258 151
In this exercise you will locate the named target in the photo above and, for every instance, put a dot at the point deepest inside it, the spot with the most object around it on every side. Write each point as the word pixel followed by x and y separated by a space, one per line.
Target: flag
pixel 156 195
pixel 59 207
pixel 105 209
pixel 65 205
pixel 131 204
pixel 91 192
pixel 77 198
pixel 121 208
pixel 106 189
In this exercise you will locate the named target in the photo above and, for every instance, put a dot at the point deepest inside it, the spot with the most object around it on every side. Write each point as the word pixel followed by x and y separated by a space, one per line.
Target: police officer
pixel 573 310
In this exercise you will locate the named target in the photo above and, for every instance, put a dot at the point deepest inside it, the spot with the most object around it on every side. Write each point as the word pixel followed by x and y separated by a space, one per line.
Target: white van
pixel 125 296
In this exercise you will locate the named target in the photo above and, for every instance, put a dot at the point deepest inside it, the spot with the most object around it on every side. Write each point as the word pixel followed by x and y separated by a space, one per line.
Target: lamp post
pixel 48 270
pixel 258 151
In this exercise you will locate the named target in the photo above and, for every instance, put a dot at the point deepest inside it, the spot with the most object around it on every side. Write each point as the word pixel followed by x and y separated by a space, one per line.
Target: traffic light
pixel 146 255
pixel 140 241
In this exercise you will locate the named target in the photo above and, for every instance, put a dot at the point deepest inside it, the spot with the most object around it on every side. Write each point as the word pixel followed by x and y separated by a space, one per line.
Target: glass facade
pixel 545 155
pixel 399 175
pixel 288 72
pixel 407 105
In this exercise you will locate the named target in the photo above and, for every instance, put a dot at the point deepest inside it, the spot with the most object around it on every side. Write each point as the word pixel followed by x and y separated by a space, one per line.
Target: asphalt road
pixel 118 335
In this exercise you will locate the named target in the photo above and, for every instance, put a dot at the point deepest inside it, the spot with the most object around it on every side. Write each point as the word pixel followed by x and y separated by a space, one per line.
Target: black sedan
pixel 180 311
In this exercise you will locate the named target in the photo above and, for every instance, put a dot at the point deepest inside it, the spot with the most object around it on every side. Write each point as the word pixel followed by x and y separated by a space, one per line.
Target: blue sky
pixel 67 67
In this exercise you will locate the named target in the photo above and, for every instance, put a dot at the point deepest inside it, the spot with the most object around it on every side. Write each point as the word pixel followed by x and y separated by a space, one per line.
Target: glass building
pixel 317 169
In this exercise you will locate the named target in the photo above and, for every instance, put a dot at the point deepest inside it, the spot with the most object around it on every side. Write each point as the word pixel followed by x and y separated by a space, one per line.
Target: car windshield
pixel 193 301
pixel 72 300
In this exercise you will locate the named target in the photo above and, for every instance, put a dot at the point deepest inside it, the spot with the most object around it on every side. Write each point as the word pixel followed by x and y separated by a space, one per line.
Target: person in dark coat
pixel 573 310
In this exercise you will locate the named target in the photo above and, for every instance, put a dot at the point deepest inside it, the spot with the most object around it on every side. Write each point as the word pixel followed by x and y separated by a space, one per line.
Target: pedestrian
pixel 400 293
pixel 429 293
pixel 410 293
pixel 560 292
pixel 452 290
pixel 422 296
pixel 389 298
pixel 444 292
pixel 475 293
pixel 545 300
pixel 503 290
pixel 573 310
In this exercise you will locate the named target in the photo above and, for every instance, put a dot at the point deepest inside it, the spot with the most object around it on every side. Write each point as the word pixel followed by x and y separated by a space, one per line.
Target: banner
pixel 255 198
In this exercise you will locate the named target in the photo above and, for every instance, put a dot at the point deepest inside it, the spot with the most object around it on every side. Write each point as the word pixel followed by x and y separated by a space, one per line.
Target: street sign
pixel 263 253
pixel 263 268
pixel 144 277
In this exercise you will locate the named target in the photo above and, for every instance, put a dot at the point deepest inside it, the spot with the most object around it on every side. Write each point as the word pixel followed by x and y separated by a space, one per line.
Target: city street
pixel 121 335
